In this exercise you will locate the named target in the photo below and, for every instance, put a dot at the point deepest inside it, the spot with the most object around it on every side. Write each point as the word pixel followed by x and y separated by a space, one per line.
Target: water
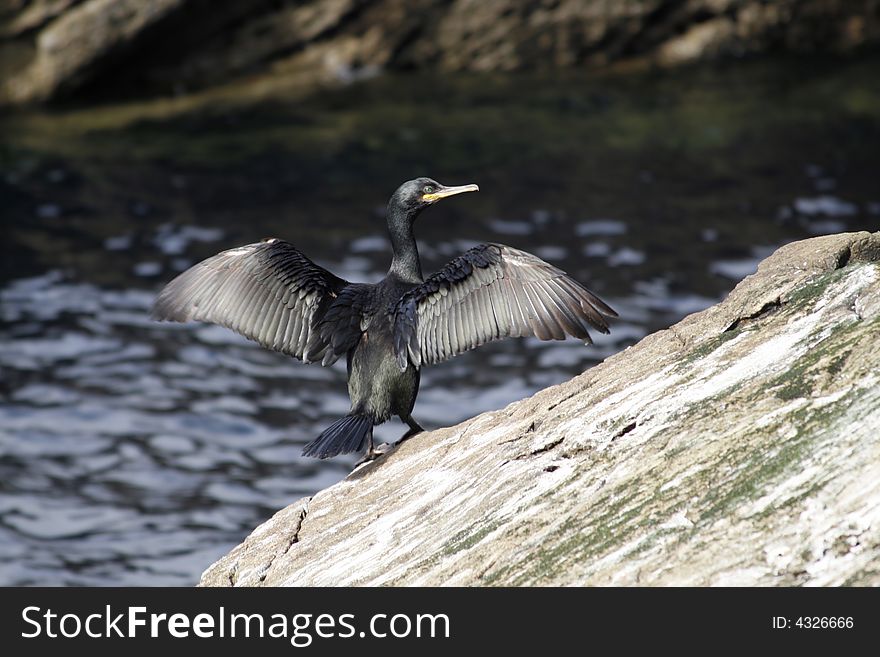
pixel 137 453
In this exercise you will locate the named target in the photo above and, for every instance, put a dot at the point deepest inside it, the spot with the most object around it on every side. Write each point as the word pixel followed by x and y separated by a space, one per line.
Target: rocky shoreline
pixel 55 49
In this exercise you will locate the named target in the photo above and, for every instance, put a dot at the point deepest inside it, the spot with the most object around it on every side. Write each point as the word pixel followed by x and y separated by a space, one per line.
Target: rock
pixel 706 39
pixel 28 16
pixel 739 447
pixel 171 45
pixel 74 45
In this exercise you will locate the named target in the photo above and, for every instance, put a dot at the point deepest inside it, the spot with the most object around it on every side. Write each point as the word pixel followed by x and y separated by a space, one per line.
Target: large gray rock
pixel 162 45
pixel 739 447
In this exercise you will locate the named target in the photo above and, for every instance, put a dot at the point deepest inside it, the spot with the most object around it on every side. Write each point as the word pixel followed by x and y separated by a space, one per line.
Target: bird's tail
pixel 349 434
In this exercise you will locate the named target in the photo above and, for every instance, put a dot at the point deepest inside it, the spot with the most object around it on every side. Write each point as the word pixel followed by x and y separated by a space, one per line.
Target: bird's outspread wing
pixel 490 292
pixel 267 291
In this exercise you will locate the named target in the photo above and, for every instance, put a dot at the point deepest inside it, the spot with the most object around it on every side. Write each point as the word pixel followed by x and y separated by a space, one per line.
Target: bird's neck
pixel 405 264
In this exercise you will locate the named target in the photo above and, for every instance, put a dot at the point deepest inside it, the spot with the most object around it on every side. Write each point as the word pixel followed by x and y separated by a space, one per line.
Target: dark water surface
pixel 137 453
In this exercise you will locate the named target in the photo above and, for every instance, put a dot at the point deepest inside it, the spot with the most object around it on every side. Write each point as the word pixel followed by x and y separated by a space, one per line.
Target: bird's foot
pixel 372 454
pixel 409 434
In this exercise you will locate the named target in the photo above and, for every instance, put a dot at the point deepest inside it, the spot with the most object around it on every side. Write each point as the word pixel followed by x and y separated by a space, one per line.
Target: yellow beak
pixel 443 192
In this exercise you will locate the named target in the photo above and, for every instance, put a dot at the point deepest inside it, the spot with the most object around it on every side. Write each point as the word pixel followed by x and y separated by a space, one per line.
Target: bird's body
pixel 376 385
pixel 272 293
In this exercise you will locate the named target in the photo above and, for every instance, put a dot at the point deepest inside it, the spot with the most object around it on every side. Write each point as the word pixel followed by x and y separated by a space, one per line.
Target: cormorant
pixel 271 293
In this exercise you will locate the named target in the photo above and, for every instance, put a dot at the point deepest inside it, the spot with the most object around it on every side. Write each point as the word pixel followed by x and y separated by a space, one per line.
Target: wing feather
pixel 491 292
pixel 267 291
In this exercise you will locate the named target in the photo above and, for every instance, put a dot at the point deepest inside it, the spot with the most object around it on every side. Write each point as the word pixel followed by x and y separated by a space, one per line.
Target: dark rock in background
pixel 54 49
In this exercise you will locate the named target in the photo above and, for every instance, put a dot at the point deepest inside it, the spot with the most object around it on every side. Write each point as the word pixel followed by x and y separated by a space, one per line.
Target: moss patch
pixel 467 538
pixel 707 347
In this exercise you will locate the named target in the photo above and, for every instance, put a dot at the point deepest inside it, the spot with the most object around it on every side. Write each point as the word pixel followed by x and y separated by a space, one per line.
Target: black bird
pixel 272 293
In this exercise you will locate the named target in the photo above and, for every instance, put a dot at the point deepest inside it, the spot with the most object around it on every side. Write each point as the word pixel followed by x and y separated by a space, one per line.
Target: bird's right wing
pixel 268 292
pixel 491 292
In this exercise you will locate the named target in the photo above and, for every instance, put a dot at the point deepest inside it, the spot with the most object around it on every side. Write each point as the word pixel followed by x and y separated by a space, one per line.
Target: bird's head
pixel 413 196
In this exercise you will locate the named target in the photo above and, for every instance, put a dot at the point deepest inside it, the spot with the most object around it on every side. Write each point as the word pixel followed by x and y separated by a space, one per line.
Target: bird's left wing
pixel 268 291
pixel 491 292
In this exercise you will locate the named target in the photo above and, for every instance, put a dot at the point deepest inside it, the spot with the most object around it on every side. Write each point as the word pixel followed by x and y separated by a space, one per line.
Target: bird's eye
pixel 428 189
